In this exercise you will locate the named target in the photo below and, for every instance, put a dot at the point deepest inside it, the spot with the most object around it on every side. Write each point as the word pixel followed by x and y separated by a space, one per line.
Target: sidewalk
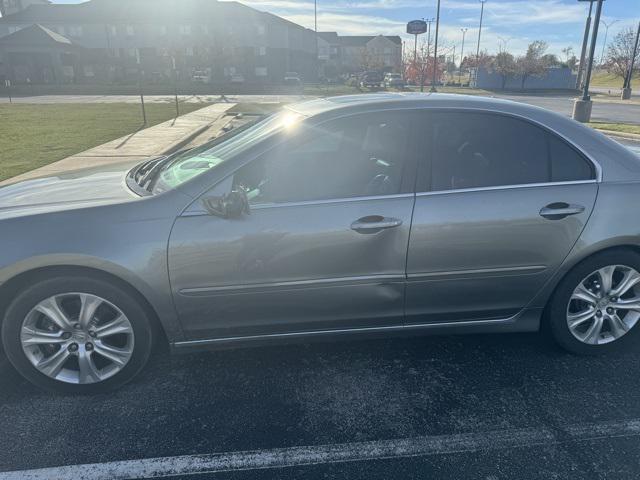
pixel 161 139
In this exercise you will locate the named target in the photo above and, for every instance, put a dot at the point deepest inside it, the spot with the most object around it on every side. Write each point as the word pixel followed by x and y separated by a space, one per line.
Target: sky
pixel 517 23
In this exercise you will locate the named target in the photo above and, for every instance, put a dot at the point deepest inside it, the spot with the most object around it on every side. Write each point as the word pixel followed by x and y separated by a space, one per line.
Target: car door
pixel 500 204
pixel 324 246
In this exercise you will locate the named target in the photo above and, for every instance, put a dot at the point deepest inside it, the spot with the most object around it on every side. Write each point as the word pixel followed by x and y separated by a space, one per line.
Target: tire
pixel 127 342
pixel 613 335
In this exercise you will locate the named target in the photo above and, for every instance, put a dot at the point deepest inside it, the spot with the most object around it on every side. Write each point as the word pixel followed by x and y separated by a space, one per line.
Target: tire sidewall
pixel 29 298
pixel 557 317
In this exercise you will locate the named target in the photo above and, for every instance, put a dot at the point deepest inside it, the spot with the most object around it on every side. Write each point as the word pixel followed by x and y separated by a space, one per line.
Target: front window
pixel 202 159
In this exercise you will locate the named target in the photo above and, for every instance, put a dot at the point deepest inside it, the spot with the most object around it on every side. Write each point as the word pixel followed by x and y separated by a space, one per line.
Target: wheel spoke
pixel 88 306
pixel 119 356
pixel 584 294
pixel 631 278
pixel 53 312
pixel 34 336
pixel 618 327
pixel 606 277
pixel 630 304
pixel 52 365
pixel 593 333
pixel 579 318
pixel 120 324
pixel 88 371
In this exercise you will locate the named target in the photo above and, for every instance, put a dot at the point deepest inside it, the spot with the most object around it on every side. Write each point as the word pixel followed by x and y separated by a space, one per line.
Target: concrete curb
pixel 613 133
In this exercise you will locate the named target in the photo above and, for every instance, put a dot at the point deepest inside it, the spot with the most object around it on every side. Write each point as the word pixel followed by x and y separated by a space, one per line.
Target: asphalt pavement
pixel 487 406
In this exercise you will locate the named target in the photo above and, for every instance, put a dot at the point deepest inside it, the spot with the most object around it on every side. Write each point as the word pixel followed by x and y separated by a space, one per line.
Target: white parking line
pixel 326 454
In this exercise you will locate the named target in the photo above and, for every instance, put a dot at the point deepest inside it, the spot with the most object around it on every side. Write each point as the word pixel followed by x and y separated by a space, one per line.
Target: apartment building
pixel 111 41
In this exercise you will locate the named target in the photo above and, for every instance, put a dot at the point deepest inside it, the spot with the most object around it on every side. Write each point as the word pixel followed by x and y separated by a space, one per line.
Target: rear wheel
pixel 77 335
pixel 596 308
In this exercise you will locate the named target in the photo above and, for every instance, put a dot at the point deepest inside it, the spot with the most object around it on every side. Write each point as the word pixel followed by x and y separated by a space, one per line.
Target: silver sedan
pixel 366 215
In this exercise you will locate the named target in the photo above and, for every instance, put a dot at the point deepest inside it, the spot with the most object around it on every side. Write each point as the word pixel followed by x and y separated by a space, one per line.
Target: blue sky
pixel 518 22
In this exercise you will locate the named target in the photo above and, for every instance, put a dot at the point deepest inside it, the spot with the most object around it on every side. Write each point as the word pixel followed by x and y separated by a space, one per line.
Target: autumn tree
pixel 619 53
pixel 534 62
pixel 504 64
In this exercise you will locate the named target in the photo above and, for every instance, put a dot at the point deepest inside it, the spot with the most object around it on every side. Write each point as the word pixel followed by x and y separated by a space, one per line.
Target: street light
pixel 626 89
pixel 482 2
pixel 582 106
pixel 606 30
pixel 435 51
pixel 464 33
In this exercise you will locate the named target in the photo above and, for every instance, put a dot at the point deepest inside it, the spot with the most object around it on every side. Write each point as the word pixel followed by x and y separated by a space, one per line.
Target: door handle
pixel 560 210
pixel 374 224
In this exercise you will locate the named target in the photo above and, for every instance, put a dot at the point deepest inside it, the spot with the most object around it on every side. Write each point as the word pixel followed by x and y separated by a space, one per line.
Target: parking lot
pixel 510 406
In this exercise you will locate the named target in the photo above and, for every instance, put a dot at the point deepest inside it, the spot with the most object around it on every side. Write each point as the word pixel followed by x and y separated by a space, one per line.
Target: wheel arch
pixel 550 290
pixel 12 286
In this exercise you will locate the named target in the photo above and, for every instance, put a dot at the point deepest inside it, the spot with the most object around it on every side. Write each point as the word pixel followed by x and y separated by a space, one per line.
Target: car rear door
pixel 324 246
pixel 500 204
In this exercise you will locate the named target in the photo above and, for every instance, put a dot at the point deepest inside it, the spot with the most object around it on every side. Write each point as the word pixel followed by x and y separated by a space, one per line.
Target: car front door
pixel 324 246
pixel 500 204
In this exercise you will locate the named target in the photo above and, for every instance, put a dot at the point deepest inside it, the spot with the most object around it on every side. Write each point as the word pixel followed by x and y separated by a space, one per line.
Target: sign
pixel 416 27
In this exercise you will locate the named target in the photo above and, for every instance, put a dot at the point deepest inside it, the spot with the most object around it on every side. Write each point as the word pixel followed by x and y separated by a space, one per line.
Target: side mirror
pixel 231 205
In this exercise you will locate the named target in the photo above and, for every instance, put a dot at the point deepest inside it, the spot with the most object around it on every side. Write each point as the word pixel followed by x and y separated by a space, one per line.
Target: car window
pixel 361 155
pixel 474 150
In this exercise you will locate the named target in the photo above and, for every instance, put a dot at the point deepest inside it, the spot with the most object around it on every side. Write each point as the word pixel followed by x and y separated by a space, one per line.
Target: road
pixel 602 111
pixel 489 407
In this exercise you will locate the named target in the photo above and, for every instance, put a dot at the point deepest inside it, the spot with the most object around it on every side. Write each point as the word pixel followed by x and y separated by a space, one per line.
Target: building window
pixel 185 29
pixel 261 30
pixel 261 51
pixel 88 71
pixel 261 71
pixel 113 30
pixel 189 51
pixel 163 29
pixel 388 51
pixel 75 31
pixel 130 30
pixel 205 29
pixel 132 53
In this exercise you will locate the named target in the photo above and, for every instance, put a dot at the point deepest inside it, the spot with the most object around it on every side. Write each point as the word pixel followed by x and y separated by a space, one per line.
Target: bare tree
pixel 567 52
pixel 534 62
pixel 504 64
pixel 619 53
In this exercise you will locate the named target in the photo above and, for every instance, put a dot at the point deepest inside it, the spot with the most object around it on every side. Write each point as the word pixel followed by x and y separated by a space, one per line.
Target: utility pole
pixel 606 31
pixel 585 41
pixel 435 51
pixel 429 22
pixel 464 32
pixel 315 29
pixel 626 89
pixel 582 106
pixel 482 2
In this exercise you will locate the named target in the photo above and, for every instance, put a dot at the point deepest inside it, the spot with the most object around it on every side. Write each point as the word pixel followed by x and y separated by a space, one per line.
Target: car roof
pixel 613 161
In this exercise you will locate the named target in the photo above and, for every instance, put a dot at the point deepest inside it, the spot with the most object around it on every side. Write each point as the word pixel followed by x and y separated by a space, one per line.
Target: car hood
pixel 75 189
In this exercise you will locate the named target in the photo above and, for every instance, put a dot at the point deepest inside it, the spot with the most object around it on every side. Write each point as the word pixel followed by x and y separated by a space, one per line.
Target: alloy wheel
pixel 77 338
pixel 605 305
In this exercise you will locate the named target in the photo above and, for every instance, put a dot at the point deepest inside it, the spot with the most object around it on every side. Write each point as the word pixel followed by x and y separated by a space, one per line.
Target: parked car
pixel 373 215
pixel 201 76
pixel 393 80
pixel 371 80
pixel 292 78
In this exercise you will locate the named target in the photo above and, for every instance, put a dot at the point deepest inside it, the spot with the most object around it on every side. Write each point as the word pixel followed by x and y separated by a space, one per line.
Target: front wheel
pixel 596 307
pixel 77 335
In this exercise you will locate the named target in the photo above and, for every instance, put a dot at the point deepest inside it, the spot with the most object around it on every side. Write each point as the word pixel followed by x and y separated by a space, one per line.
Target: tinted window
pixel 472 150
pixel 362 155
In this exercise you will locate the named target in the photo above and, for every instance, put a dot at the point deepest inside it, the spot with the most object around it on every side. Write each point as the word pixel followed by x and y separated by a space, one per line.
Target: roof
pixel 35 35
pixel 362 40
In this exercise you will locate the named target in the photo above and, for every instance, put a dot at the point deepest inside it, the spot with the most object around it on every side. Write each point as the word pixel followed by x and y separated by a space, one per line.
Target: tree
pixel 568 53
pixel 534 62
pixel 619 53
pixel 504 64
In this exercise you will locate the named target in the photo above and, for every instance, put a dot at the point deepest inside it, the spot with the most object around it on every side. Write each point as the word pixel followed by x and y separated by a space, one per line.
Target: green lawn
pixel 616 127
pixel 604 79
pixel 35 135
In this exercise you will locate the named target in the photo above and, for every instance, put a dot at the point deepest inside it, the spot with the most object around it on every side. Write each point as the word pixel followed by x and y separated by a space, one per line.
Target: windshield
pixel 194 162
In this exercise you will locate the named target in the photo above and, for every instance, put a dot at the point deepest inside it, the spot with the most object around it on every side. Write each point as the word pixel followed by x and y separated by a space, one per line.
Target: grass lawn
pixel 616 127
pixel 606 80
pixel 33 135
